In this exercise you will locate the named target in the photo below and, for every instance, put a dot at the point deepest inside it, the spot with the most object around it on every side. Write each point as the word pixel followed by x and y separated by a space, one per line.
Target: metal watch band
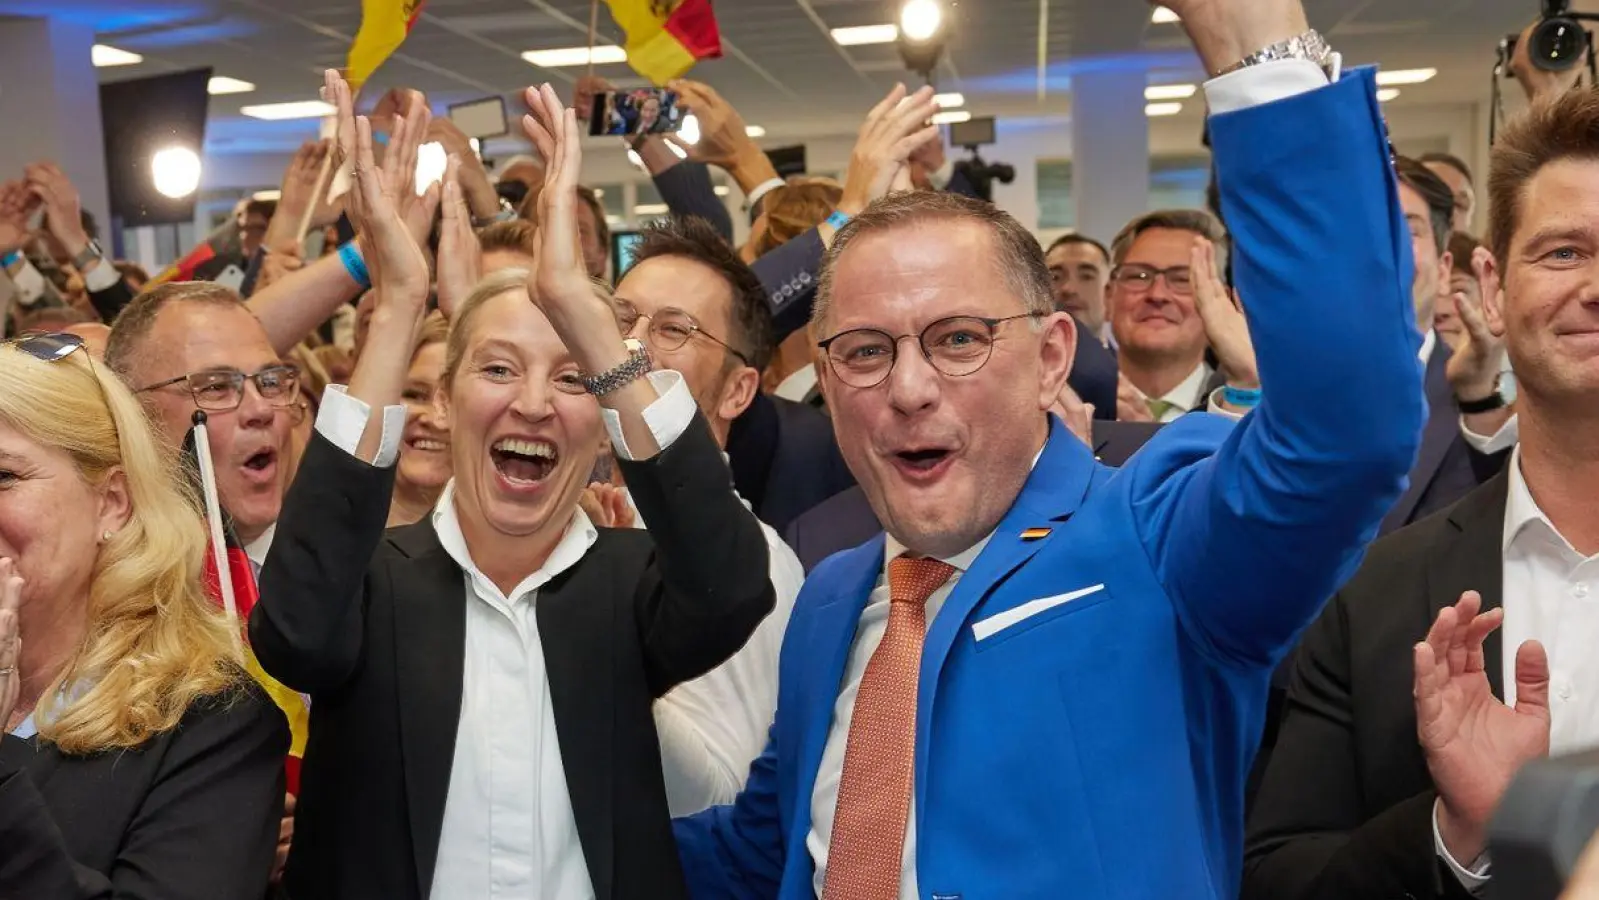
pixel 636 366
pixel 1310 45
pixel 90 254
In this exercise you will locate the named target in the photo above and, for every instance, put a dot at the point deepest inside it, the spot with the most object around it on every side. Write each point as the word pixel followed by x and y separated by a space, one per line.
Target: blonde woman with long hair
pixel 138 758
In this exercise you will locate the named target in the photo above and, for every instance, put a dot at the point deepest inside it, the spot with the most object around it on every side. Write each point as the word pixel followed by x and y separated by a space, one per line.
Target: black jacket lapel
pixel 1441 431
pixel 430 655
pixel 576 614
pixel 1474 561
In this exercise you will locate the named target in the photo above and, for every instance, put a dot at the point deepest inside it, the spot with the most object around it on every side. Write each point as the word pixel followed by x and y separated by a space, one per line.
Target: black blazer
pixel 373 626
pixel 1094 375
pixel 847 520
pixel 190 815
pixel 1345 807
pixel 784 459
pixel 1447 468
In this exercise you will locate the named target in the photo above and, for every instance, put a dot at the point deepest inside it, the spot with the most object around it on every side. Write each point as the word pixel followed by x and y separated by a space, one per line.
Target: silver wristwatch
pixel 90 253
pixel 1310 45
pixel 636 366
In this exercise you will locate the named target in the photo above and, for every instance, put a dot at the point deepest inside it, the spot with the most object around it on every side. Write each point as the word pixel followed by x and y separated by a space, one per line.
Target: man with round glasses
pixel 189 346
pixel 1160 337
pixel 1048 678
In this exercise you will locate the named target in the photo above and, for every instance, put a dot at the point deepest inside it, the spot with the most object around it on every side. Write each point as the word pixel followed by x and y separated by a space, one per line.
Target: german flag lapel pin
pixel 1035 534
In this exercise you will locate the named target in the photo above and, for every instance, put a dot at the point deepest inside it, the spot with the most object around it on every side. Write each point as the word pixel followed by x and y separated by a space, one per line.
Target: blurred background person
pixel 424 466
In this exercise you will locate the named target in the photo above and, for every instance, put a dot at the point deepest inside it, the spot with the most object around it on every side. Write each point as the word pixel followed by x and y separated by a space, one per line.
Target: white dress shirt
pixel 1246 87
pixel 713 727
pixel 509 829
pixel 1186 396
pixel 1551 595
pixel 868 634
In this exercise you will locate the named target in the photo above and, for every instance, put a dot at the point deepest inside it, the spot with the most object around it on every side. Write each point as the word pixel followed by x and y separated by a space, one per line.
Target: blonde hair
pixel 435 329
pixel 155 643
pixel 799 205
pixel 493 285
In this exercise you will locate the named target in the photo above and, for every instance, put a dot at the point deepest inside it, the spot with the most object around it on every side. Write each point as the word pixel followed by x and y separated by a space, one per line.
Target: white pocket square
pixel 987 628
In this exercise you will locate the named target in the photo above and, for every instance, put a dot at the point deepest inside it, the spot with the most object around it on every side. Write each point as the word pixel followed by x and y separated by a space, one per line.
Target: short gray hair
pixel 1196 221
pixel 1017 257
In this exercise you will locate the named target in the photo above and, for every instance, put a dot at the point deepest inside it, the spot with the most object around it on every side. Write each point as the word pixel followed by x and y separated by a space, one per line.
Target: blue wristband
pixel 350 255
pixel 838 219
pixel 10 259
pixel 1243 398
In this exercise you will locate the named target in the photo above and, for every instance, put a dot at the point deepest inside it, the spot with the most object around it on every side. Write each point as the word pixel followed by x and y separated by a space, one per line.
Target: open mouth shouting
pixel 922 465
pixel 261 467
pixel 523 464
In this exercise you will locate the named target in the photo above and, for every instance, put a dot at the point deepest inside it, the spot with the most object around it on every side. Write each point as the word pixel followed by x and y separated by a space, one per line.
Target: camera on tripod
pixel 1557 43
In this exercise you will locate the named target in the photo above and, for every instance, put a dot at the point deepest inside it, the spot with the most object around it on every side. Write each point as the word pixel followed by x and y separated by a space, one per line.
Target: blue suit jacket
pixel 1096 745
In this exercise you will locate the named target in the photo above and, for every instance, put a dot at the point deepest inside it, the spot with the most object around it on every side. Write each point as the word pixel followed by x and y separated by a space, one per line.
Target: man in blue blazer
pixel 1048 679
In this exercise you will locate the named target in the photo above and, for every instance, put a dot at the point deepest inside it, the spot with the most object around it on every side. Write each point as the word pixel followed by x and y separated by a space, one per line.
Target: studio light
pixel 922 34
pixel 176 171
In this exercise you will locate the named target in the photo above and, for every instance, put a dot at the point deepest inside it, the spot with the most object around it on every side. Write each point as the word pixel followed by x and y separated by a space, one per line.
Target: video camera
pixel 981 175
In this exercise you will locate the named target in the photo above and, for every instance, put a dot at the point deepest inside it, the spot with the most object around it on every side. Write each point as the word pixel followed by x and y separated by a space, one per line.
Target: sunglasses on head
pixel 47 347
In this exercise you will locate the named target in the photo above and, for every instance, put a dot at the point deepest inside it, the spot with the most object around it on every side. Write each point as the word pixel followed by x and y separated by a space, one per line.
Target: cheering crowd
pixel 888 555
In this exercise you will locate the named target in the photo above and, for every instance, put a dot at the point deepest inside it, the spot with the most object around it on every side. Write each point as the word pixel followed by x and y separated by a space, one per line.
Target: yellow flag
pixel 384 26
pixel 666 37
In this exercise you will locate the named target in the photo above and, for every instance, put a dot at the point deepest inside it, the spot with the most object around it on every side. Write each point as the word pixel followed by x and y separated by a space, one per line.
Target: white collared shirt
pixel 509 829
pixel 1551 595
pixel 1186 396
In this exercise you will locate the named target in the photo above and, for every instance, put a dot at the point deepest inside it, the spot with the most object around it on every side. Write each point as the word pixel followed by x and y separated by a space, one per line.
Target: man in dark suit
pixel 846 519
pixel 1393 754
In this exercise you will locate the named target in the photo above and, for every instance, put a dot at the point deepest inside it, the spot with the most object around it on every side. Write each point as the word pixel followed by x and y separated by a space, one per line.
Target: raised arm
pixel 1322 260
pixel 709 586
pixel 307 629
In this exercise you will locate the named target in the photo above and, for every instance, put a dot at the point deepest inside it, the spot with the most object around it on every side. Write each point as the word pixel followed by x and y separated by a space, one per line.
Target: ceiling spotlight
pixel 176 171
pixel 921 35
pixel 920 20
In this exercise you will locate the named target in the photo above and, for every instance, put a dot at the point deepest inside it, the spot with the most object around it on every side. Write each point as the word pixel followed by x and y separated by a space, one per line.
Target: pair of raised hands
pixel 42 185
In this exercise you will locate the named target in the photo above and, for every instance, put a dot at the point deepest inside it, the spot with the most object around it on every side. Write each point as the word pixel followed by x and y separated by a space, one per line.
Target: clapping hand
pixel 606 505
pixel 460 254
pixel 1078 416
pixel 304 189
pixel 722 136
pixel 893 130
pixel 17 205
pixel 62 205
pixel 1473 369
pixel 1475 744
pixel 395 261
pixel 1223 318
pixel 1131 403
pixel 476 188
pixel 10 640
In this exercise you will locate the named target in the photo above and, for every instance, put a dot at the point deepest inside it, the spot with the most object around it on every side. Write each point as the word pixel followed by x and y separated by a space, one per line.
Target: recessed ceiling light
pixel 221 84
pixel 651 209
pixel 722 190
pixel 1386 94
pixel 1405 76
pixel 1163 16
pixel 265 196
pixel 299 109
pixel 1163 109
pixel 1169 91
pixel 952 116
pixel 575 56
pixel 102 56
pixel 950 100
pixel 754 131
pixel 866 34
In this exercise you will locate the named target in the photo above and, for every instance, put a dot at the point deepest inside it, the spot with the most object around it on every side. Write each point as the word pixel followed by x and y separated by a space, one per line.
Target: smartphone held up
pixel 636 112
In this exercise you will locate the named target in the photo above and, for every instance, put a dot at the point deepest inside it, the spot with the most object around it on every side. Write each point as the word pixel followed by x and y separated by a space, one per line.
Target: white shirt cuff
pixel 101 277
pixel 342 419
pixel 30 284
pixel 762 189
pixel 1215 406
pixel 668 417
pixel 1258 85
pixel 1472 879
pixel 1503 439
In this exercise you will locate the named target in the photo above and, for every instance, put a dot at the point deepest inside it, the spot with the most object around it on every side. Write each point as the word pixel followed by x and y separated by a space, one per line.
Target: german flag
pixel 241 578
pixel 665 38
pixel 385 24
pixel 208 258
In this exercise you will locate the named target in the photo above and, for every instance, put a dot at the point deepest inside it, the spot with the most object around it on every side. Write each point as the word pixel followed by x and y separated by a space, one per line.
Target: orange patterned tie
pixel 874 794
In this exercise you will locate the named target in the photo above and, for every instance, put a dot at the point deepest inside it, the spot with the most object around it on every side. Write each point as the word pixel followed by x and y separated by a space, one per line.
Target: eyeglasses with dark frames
pixel 670 328
pixel 956 346
pixel 222 390
pixel 1138 278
